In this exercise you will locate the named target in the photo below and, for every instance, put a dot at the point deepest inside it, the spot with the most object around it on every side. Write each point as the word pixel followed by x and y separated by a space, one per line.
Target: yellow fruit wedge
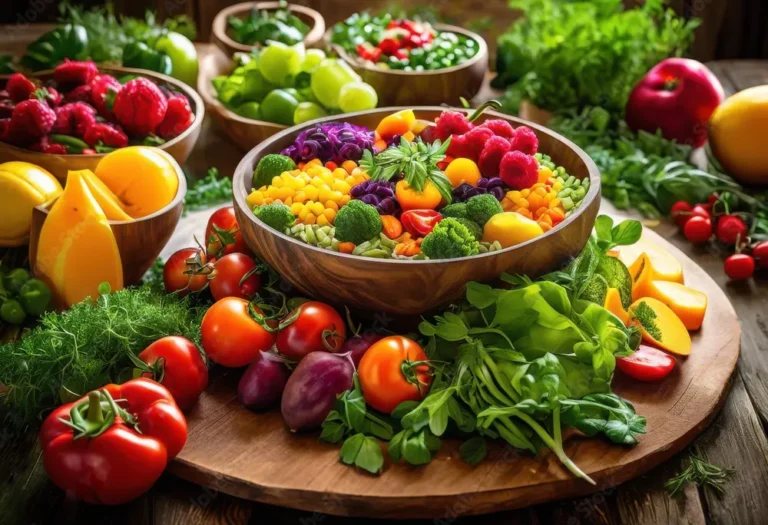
pixel 642 273
pixel 665 266
pixel 688 304
pixel 77 250
pixel 613 305
pixel 108 201
pixel 144 179
pixel 22 187
pixel 42 180
pixel 660 326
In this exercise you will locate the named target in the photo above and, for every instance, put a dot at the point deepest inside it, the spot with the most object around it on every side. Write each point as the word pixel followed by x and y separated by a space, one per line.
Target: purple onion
pixel 336 141
pixel 492 185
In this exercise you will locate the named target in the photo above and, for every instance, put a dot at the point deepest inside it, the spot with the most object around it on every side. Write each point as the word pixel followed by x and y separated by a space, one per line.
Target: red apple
pixel 677 97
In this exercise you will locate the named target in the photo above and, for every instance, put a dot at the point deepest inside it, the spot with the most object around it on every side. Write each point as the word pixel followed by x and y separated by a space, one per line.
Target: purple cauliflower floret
pixel 492 185
pixel 337 142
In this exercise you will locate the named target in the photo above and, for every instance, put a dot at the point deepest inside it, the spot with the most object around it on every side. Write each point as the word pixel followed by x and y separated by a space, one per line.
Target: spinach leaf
pixel 605 414
pixel 474 450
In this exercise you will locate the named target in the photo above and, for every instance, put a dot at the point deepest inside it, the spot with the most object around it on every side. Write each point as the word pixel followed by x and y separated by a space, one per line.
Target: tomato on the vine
pixel 698 229
pixel 680 213
pixel 760 253
pixel 702 210
pixel 234 275
pixel 185 271
pixel 312 327
pixel 731 229
pixel 176 363
pixel 230 334
pixel 646 364
pixel 394 370
pixel 222 234
pixel 739 266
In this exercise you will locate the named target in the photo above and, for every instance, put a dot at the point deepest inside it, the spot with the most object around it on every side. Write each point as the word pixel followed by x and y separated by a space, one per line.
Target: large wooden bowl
pixel 409 88
pixel 244 132
pixel 412 287
pixel 220 34
pixel 139 241
pixel 179 147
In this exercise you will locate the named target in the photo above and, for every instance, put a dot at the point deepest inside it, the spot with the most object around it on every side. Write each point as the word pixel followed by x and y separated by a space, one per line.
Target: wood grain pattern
pixel 220 35
pixel 411 88
pixel 412 287
pixel 261 460
pixel 139 241
pixel 244 132
pixel 179 147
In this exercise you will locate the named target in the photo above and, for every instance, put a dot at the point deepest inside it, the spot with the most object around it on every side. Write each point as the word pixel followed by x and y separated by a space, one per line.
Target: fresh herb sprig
pixel 211 189
pixel 702 474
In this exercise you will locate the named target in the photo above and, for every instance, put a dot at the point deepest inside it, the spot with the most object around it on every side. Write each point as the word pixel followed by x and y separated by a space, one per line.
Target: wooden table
pixel 736 439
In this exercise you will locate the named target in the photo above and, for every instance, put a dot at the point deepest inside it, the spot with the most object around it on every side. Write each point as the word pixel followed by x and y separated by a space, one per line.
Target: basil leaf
pixel 603 225
pixel 627 232
pixel 474 450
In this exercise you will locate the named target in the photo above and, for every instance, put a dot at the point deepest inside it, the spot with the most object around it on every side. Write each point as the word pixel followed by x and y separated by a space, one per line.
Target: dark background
pixel 730 28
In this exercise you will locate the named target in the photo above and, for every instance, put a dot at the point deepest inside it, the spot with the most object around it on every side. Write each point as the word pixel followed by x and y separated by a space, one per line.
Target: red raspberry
pixel 50 95
pixel 490 157
pixel 458 147
pixel 476 139
pixel 451 123
pixel 140 106
pixel 31 119
pixel 6 108
pixel 500 128
pixel 19 87
pixel 5 129
pixel 79 94
pixel 74 73
pixel 518 170
pixel 103 90
pixel 74 119
pixel 177 119
pixel 525 140
pixel 45 145
pixel 107 134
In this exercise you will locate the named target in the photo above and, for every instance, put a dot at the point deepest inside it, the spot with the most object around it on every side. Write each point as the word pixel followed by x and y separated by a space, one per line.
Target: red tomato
pixel 731 229
pixel 185 271
pixel 739 266
pixel 420 222
pixel 234 276
pixel 698 229
pixel 230 336
pixel 702 210
pixel 760 253
pixel 222 235
pixel 680 213
pixel 388 375
pixel 311 327
pixel 646 364
pixel 176 363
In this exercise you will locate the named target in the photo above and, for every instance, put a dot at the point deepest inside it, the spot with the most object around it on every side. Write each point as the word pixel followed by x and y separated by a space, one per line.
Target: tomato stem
pixel 95 413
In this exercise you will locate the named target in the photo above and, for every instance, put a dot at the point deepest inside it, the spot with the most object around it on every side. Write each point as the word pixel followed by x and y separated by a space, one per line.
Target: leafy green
pixel 278 25
pixel 605 414
pixel 473 450
pixel 350 415
pixel 702 474
pixel 211 189
pixel 363 452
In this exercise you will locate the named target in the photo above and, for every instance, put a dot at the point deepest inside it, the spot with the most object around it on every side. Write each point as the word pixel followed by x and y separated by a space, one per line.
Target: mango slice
pixel 108 201
pixel 660 326
pixel 688 304
pixel 145 180
pixel 77 250
pixel 642 273
pixel 613 305
pixel 665 266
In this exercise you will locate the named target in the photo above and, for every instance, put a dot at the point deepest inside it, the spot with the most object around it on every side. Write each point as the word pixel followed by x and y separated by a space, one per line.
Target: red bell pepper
pixel 389 46
pixel 112 445
pixel 420 222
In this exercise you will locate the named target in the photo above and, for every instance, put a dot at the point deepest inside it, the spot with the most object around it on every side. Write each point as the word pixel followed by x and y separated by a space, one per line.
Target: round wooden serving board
pixel 254 456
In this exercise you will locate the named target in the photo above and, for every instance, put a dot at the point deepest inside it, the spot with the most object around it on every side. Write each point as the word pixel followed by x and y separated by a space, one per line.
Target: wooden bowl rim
pixel 482 54
pixel 206 92
pixel 242 176
pixel 178 84
pixel 219 25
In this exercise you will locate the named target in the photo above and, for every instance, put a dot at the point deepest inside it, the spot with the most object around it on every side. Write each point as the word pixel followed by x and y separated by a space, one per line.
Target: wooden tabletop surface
pixel 736 439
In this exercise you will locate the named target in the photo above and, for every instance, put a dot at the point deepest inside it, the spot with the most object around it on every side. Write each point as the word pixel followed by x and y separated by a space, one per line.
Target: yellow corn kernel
pixel 327 179
pixel 317 182
pixel 332 205
pixel 541 190
pixel 537 186
pixel 548 197
pixel 541 211
pixel 340 185
pixel 525 193
pixel 315 162
pixel 310 218
pixel 349 179
pixel 545 218
pixel 300 196
pixel 522 203
pixel 329 214
pixel 349 165
pixel 322 220
pixel 507 204
pixel 312 192
pixel 545 227
pixel 513 196
pixel 272 191
pixel 296 207
pixel 340 173
pixel 323 194
pixel 554 203
pixel 557 186
pixel 345 199
pixel 316 208
pixel 524 212
pixel 256 199
pixel 335 196
pixel 269 200
pixel 303 213
pixel 284 193
pixel 356 171
pixel 277 182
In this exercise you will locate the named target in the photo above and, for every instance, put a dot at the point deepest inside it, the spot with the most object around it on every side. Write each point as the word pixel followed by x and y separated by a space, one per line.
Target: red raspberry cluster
pixel 498 149
pixel 84 111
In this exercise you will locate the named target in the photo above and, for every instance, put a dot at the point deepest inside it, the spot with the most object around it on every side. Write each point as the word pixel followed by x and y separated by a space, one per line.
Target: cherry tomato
pixel 312 327
pixel 234 276
pixel 231 336
pixel 176 363
pixel 702 210
pixel 698 229
pixel 222 235
pixel 731 229
pixel 420 222
pixel 739 266
pixel 394 370
pixel 185 271
pixel 760 253
pixel 680 213
pixel 712 199
pixel 646 364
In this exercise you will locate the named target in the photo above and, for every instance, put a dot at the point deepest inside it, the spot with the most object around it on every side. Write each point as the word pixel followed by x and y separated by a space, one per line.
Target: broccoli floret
pixel 457 210
pixel 357 222
pixel 474 229
pixel 480 208
pixel 275 215
pixel 269 167
pixel 448 240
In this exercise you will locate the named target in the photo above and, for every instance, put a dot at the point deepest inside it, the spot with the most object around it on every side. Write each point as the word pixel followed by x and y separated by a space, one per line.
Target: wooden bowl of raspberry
pixel 68 118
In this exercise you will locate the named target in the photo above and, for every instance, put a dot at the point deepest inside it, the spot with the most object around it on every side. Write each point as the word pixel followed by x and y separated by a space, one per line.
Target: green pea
pixel 12 312
pixel 35 296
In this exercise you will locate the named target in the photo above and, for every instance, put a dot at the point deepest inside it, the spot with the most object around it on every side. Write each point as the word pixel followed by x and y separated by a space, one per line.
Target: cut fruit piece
pixel 613 305
pixel 108 201
pixel 660 326
pixel 690 305
pixel 665 266
pixel 77 250
pixel 642 273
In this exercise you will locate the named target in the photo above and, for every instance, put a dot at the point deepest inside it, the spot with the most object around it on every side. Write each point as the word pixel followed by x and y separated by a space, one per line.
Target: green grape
pixel 306 111
pixel 357 96
pixel 278 62
pixel 327 80
pixel 312 59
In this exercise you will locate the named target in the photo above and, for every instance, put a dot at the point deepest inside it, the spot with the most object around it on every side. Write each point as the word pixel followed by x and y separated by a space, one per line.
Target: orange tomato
pixel 230 336
pixel 410 199
pixel 383 369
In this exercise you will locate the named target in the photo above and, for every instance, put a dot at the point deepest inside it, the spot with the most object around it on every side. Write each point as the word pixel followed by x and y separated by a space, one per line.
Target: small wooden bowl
pixel 179 147
pixel 140 241
pixel 219 30
pixel 407 88
pixel 406 287
pixel 244 132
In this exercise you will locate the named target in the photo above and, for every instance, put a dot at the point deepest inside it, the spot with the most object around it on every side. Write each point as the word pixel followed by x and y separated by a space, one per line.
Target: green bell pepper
pixel 68 41
pixel 35 296
pixel 141 56
pixel 279 107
